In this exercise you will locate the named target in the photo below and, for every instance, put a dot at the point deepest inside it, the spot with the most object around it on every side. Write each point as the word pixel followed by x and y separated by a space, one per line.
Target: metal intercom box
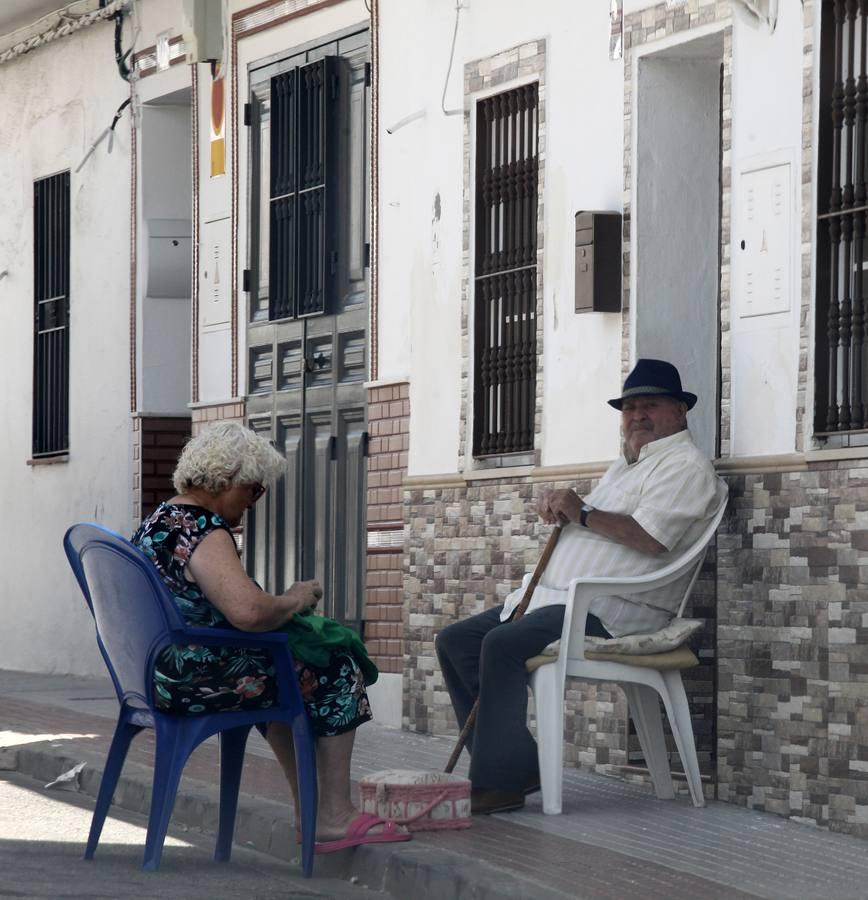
pixel 598 261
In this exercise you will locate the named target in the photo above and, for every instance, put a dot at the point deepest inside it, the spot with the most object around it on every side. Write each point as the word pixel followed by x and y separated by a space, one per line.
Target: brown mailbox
pixel 598 262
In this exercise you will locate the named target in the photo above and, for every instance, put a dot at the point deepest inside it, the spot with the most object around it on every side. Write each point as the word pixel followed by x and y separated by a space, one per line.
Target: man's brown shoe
pixel 484 802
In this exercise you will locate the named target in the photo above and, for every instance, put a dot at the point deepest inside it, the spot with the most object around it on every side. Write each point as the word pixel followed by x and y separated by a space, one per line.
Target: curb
pixel 401 870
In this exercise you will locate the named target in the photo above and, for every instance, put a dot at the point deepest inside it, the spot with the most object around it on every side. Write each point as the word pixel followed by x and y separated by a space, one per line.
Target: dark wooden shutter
pixel 281 254
pixel 303 251
pixel 51 315
pixel 505 272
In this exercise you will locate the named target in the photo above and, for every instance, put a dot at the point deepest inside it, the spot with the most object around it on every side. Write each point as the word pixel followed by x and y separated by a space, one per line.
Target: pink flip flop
pixel 357 833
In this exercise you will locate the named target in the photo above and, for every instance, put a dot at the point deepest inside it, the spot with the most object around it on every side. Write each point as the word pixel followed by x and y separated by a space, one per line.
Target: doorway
pixel 677 221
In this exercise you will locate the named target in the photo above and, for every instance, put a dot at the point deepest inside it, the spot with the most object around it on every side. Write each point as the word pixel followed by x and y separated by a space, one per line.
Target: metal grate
pixel 841 365
pixel 301 260
pixel 505 273
pixel 51 315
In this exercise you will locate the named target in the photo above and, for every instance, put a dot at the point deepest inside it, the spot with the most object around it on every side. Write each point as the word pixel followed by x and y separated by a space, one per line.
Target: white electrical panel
pixel 215 273
pixel 762 271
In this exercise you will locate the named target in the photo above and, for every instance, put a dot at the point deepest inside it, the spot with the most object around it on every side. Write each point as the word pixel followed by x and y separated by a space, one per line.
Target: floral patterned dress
pixel 195 679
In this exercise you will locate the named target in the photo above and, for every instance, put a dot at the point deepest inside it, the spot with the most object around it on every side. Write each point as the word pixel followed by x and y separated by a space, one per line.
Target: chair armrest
pixel 229 637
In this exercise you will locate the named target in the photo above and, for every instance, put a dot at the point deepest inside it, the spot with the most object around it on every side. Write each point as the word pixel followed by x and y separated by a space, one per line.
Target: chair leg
pixel 549 699
pixel 174 745
pixel 682 729
pixel 305 767
pixel 124 733
pixel 644 706
pixel 232 744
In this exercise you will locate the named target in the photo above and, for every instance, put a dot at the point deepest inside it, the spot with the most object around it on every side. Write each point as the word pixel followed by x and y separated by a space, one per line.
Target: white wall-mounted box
pixel 762 241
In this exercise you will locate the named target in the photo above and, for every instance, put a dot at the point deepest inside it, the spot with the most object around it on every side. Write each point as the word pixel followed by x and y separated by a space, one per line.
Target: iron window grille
pixel 302 233
pixel 51 315
pixel 841 402
pixel 506 181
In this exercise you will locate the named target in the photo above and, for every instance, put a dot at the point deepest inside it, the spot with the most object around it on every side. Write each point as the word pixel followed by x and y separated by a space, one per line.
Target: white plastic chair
pixel 641 683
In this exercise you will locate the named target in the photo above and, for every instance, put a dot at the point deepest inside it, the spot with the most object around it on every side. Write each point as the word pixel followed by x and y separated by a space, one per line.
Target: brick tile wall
pixel 388 427
pixel 157 442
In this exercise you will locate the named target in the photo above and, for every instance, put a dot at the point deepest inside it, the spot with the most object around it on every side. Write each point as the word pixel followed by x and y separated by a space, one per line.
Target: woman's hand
pixel 559 507
pixel 305 595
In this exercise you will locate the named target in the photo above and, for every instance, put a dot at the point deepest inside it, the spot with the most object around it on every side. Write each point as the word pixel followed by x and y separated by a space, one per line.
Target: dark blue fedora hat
pixel 654 376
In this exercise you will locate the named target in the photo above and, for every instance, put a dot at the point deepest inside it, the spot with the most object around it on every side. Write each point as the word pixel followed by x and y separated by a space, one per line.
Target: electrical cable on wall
pixel 54 26
pixel 451 112
pixel 108 132
pixel 121 57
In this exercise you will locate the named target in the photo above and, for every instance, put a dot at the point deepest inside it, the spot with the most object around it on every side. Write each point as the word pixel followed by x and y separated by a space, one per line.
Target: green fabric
pixel 313 638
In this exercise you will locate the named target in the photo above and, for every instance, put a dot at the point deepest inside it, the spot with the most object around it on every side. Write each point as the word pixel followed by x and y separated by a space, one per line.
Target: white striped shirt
pixel 671 491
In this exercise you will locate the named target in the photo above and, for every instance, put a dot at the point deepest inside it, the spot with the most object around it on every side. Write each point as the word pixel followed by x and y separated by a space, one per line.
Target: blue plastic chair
pixel 136 618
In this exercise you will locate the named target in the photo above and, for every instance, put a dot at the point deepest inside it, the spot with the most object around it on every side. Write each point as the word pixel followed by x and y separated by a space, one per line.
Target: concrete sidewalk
pixel 615 840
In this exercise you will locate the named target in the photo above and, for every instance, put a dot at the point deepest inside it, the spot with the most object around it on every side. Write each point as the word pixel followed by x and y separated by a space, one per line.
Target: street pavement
pixel 41 837
pixel 615 840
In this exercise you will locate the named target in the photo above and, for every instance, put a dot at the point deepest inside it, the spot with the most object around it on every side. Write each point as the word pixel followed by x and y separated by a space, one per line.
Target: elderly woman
pixel 221 473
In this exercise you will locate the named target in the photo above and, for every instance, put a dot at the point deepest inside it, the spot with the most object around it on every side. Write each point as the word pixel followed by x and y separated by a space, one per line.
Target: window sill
pixel 48 460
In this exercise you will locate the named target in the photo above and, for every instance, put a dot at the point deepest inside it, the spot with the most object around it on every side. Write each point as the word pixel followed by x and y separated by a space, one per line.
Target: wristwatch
pixel 583 514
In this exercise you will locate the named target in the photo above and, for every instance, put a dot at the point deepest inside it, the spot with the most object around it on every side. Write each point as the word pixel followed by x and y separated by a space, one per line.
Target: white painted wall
pixel 422 169
pixel 54 103
pixel 766 129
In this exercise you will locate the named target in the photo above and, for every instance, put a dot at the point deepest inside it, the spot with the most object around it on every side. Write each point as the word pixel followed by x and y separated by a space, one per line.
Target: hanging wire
pixel 451 112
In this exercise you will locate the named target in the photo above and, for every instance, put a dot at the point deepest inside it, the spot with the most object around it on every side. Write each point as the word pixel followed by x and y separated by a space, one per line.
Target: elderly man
pixel 652 503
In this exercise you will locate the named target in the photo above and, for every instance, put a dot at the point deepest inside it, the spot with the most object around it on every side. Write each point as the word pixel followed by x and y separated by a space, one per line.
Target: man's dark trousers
pixel 485 657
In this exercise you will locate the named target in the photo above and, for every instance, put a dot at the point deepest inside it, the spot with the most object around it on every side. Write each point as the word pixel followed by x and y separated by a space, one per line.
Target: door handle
pixel 319 361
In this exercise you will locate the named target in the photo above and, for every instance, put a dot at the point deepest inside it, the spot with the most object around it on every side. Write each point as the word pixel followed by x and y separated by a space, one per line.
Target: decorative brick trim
pixel 194 331
pixel 231 411
pixel 809 228
pixel 516 65
pixel 388 427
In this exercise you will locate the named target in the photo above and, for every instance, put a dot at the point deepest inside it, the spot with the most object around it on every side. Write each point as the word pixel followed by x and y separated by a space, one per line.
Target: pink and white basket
pixel 423 801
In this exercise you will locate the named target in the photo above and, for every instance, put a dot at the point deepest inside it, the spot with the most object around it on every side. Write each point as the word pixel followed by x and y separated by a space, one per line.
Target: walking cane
pixel 519 612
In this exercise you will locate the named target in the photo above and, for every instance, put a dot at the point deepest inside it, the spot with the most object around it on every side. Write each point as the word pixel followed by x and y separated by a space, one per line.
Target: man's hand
pixel 306 595
pixel 559 507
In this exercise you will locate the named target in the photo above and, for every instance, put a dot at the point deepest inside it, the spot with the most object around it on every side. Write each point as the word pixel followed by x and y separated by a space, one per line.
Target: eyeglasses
pixel 256 491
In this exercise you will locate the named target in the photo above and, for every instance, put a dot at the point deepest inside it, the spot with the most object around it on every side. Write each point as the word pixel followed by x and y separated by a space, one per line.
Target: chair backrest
pixel 700 546
pixel 681 573
pixel 134 613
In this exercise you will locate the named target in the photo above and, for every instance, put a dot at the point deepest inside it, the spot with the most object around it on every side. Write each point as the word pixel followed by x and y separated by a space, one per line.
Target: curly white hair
pixel 225 454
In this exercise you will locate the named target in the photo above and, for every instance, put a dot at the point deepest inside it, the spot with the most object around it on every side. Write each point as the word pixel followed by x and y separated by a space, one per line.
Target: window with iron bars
pixel 841 370
pixel 51 316
pixel 506 181
pixel 302 235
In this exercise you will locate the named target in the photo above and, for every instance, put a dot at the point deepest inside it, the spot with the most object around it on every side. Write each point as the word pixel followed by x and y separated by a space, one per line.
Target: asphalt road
pixel 42 837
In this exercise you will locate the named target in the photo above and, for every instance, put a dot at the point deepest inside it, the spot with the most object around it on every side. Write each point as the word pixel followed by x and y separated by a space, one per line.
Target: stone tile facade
pixel 388 427
pixel 780 702
pixel 793 658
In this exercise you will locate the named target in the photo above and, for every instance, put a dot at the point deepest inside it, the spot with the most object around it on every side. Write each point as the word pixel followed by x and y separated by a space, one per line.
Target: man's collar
pixel 664 443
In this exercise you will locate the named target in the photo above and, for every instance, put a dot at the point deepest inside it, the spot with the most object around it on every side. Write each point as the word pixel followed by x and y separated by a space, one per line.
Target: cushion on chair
pixel 680 658
pixel 664 639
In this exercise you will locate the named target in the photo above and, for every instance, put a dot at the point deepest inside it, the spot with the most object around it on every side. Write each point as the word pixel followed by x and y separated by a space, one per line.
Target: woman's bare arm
pixel 217 570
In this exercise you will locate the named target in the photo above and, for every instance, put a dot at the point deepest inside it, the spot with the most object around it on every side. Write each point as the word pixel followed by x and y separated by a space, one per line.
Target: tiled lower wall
pixel 785 597
pixel 388 428
pixel 793 645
